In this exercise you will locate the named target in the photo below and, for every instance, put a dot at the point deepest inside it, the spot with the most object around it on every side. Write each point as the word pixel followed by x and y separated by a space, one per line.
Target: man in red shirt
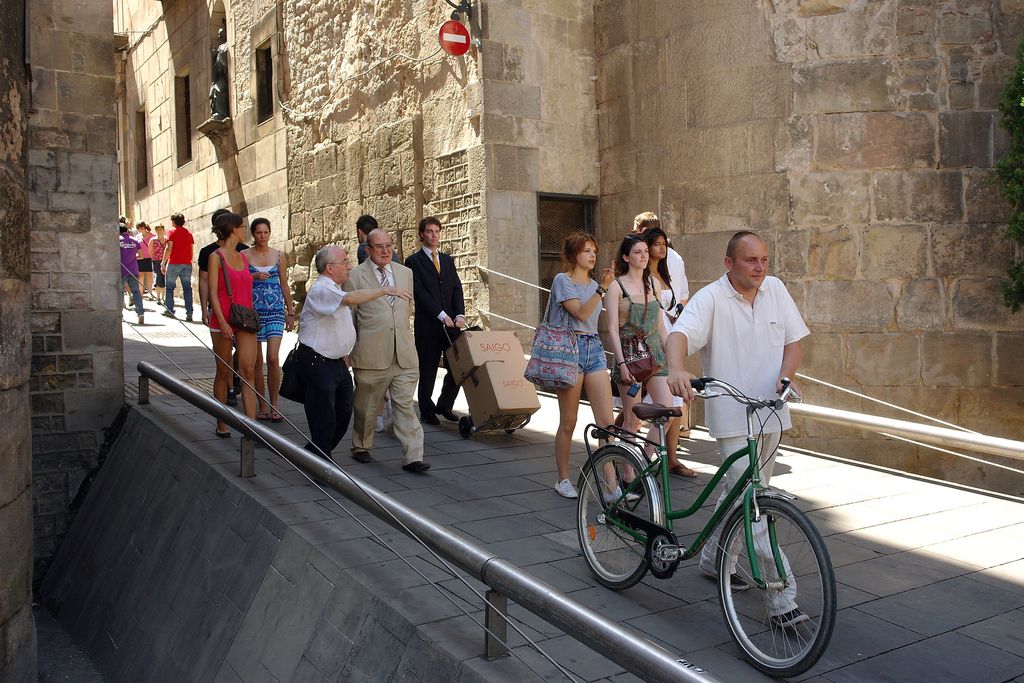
pixel 177 265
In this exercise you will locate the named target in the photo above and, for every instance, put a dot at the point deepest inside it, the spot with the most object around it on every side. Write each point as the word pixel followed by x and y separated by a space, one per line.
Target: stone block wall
pixel 539 126
pixel 242 167
pixel 470 139
pixel 76 383
pixel 381 122
pixel 17 628
pixel 857 136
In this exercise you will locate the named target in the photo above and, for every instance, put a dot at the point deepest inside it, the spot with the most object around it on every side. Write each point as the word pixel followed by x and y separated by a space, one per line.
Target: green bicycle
pixel 768 547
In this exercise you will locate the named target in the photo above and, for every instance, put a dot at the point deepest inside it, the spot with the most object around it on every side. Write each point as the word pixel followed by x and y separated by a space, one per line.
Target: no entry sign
pixel 454 38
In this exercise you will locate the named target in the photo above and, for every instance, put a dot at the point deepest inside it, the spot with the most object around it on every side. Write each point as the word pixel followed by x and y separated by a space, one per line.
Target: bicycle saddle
pixel 653 411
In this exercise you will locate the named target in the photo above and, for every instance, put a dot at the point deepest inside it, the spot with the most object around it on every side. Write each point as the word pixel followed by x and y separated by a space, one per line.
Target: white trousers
pixel 779 602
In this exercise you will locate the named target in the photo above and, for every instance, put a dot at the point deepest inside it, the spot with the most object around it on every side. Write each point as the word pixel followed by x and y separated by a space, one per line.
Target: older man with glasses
pixel 384 357
pixel 326 338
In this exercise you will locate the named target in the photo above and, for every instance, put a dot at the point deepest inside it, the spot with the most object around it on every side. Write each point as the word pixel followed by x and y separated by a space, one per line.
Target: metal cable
pixel 800 375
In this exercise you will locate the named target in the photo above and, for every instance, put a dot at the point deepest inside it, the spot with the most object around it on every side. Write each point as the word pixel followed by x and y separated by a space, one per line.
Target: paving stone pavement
pixel 931 578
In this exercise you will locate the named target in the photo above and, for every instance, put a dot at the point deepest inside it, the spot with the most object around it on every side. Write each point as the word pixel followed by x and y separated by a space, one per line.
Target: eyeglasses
pixel 382 247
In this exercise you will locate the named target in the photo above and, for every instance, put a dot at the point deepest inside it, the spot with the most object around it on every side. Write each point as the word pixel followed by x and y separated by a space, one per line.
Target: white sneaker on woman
pixel 566 489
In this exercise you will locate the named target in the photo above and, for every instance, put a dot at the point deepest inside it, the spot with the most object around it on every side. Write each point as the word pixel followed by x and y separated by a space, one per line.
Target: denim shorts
pixel 591 353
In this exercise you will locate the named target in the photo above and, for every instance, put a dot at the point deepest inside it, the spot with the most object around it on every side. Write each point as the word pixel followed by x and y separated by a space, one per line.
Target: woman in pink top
pixel 226 262
pixel 146 236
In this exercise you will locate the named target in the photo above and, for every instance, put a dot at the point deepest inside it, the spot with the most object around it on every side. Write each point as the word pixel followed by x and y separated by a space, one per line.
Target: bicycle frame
pixel 748 485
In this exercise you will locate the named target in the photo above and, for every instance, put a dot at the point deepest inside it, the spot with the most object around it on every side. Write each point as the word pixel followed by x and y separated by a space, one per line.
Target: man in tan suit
pixel 384 357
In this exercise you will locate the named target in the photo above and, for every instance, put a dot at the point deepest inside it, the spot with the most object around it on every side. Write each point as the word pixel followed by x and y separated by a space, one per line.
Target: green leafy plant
pixel 1011 174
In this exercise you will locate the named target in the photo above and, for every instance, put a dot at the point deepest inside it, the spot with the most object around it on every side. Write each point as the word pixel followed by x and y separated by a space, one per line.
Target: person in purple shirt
pixel 130 269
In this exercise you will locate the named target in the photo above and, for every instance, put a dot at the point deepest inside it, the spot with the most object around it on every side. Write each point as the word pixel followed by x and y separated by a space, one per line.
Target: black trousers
pixel 328 401
pixel 429 349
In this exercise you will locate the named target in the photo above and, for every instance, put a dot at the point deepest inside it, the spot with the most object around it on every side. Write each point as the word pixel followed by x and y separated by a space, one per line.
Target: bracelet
pixel 622 362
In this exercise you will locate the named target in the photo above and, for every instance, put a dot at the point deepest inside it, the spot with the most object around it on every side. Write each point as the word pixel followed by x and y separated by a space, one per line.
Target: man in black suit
pixel 439 305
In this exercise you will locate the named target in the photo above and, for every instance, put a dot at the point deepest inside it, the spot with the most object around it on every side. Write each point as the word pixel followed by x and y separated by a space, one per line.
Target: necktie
pixel 437 266
pixel 384 282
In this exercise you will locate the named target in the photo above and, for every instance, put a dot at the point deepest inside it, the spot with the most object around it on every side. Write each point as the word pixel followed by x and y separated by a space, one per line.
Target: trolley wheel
pixel 466 427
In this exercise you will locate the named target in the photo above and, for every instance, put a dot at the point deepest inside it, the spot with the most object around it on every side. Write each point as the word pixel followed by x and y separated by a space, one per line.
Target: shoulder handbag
pixel 554 356
pixel 635 351
pixel 291 383
pixel 239 316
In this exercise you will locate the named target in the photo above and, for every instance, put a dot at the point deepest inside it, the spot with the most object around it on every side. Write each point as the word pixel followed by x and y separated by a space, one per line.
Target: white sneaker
pixel 566 490
pixel 379 428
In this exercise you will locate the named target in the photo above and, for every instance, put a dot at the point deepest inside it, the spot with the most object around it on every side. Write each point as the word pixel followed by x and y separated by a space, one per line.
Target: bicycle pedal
pixel 668 553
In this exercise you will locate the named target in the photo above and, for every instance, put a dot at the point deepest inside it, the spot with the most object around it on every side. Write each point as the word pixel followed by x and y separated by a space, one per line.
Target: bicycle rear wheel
pixel 614 555
pixel 782 630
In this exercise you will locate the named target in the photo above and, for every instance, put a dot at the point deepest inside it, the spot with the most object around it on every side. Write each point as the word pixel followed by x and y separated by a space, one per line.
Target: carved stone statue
pixel 219 88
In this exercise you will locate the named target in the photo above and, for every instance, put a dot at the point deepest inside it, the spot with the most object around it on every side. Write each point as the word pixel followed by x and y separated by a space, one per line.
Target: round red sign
pixel 454 38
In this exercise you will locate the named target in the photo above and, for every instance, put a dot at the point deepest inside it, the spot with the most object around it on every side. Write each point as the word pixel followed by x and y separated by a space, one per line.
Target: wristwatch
pixel 601 291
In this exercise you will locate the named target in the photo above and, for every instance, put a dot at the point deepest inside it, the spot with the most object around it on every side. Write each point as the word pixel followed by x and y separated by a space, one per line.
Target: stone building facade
pixel 17 633
pixel 857 135
pixel 76 383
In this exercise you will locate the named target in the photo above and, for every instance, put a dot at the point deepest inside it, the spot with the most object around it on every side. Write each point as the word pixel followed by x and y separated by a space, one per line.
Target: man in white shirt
pixel 326 338
pixel 676 266
pixel 747 329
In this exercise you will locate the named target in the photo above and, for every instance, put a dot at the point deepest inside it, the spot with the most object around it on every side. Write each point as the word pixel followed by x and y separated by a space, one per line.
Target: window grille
pixel 557 216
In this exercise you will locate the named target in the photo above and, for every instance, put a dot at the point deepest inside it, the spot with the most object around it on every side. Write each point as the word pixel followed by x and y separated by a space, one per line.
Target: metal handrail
pixel 607 638
pixel 981 443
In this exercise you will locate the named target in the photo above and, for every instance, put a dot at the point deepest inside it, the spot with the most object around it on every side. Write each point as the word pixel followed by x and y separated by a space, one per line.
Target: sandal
pixel 263 416
pixel 681 470
pixel 223 435
pixel 276 416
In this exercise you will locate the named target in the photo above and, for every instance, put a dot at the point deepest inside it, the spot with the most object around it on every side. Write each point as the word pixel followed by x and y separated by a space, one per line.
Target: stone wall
pixel 240 165
pixel 858 137
pixel 380 121
pixel 470 139
pixel 17 630
pixel 76 384
pixel 539 128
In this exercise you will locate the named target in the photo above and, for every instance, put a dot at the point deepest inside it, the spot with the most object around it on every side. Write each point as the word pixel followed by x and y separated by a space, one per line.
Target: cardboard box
pixel 497 389
pixel 473 349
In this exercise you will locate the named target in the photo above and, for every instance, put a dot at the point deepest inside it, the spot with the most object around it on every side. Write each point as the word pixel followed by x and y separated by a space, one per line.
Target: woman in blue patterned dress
pixel 273 301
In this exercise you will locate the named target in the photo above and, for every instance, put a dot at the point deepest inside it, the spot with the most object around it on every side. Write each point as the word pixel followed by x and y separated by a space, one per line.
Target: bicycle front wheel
pixel 784 629
pixel 615 554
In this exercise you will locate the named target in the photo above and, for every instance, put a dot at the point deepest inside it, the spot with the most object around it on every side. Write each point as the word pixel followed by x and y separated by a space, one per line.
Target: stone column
pixel 17 630
pixel 76 387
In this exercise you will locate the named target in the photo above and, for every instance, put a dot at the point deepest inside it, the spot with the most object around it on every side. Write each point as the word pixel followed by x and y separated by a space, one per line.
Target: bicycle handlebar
pixel 789 393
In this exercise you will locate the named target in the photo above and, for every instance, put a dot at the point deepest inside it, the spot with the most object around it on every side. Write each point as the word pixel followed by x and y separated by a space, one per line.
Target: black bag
pixel 291 383
pixel 239 316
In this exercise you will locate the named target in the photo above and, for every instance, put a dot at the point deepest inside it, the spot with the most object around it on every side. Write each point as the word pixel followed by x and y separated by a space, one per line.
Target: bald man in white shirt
pixel 747 329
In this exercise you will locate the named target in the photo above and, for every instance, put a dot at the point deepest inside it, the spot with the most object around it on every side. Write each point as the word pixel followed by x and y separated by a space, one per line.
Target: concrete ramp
pixel 175 571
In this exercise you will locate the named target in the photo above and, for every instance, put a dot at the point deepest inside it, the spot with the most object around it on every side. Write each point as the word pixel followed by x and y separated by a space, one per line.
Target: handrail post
pixel 496 625
pixel 248 457
pixel 143 390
